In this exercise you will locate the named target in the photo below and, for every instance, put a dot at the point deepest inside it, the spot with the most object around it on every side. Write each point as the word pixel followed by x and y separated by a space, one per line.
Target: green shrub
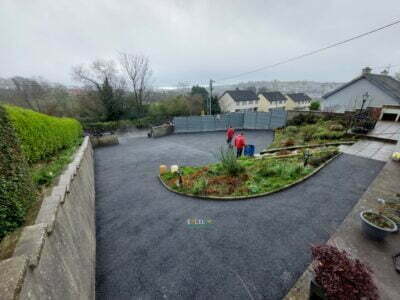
pixel 17 192
pixel 291 130
pixel 229 163
pixel 328 135
pixel 309 132
pixel 41 135
pixel 200 186
pixel 315 105
pixel 302 119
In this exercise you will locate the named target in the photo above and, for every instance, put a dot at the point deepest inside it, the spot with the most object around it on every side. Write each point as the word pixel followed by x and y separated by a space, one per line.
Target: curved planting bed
pixel 247 177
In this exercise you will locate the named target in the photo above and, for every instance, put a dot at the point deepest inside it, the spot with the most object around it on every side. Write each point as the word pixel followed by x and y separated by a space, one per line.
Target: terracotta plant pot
pixel 373 230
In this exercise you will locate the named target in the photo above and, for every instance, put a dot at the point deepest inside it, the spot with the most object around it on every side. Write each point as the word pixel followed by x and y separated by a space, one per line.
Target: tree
pixel 215 108
pixel 30 92
pixel 139 73
pixel 102 76
pixel 397 76
pixel 315 105
pixel 203 93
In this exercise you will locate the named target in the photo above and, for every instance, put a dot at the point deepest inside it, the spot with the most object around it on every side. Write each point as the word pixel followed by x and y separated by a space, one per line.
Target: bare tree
pixel 139 73
pixel 102 77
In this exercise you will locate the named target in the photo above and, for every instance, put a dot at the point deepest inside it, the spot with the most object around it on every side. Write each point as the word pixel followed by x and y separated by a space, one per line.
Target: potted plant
pixel 375 225
pixel 338 276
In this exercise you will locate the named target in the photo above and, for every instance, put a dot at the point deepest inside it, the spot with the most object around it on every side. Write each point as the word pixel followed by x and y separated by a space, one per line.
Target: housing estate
pixel 245 100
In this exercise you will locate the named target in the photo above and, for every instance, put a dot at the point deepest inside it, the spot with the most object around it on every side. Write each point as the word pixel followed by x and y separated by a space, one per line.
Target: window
pixel 251 102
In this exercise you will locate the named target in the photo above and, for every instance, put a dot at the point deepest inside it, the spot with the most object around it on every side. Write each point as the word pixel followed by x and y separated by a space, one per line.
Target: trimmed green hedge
pixel 41 135
pixel 17 191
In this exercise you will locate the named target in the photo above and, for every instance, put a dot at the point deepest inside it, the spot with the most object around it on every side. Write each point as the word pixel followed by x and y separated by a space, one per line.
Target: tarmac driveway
pixel 254 249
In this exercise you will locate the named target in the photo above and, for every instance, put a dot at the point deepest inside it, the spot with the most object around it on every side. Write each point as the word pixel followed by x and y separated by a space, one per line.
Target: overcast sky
pixel 193 41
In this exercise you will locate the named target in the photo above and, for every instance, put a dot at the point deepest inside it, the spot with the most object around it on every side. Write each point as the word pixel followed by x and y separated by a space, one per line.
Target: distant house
pixel 370 90
pixel 273 100
pixel 238 101
pixel 301 100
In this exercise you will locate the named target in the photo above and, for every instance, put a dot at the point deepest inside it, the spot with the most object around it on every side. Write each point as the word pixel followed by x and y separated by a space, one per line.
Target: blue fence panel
pixel 250 120
pixel 278 119
pixel 180 124
pixel 236 120
pixel 263 119
pixel 208 123
pixel 222 122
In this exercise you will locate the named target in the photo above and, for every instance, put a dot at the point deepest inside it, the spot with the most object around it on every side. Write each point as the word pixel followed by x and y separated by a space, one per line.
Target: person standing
pixel 240 143
pixel 229 135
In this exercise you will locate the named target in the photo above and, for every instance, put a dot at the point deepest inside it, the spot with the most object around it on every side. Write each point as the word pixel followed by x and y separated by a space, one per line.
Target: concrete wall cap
pixel 48 212
pixel 31 243
pixel 12 276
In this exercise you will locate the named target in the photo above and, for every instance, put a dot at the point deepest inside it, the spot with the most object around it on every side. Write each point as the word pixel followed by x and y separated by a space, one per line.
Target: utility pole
pixel 210 100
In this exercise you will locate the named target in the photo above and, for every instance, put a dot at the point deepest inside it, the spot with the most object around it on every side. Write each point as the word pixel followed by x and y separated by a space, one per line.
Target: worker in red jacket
pixel 229 135
pixel 240 143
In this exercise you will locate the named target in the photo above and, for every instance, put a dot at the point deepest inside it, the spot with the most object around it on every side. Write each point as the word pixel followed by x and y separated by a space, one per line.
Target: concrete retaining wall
pixel 162 130
pixel 55 258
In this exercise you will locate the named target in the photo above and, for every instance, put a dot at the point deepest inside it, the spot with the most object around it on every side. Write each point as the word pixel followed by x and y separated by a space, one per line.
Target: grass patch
pixel 319 133
pixel 257 175
pixel 43 173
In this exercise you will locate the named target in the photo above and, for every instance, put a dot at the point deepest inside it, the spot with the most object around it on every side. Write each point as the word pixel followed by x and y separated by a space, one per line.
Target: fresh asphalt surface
pixel 254 249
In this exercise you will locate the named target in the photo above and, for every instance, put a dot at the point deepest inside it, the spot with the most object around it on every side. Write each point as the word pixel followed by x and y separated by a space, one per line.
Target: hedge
pixel 16 188
pixel 41 135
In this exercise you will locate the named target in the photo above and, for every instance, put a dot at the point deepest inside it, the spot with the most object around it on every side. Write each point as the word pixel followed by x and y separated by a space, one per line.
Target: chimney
pixel 237 88
pixel 385 72
pixel 366 70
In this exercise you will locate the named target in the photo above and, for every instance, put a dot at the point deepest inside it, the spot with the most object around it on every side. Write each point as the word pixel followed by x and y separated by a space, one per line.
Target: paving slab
pixel 254 249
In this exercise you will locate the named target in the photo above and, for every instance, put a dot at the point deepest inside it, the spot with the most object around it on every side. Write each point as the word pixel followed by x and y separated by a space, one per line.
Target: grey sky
pixel 193 41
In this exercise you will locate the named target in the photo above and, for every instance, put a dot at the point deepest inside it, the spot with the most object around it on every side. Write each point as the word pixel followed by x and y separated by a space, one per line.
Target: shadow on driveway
pixel 255 249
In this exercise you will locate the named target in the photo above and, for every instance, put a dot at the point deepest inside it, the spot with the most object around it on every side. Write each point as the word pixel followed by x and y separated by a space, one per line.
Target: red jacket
pixel 230 133
pixel 240 142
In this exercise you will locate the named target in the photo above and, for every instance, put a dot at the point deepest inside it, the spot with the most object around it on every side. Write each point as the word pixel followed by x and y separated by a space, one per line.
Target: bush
pixel 322 156
pixel 41 135
pixel 291 130
pixel 229 163
pixel 302 119
pixel 341 276
pixel 16 187
pixel 308 132
pixel 328 135
pixel 336 127
pixel 315 105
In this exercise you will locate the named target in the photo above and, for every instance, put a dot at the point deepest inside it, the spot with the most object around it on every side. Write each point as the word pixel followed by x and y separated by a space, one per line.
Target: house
pixel 238 101
pixel 301 100
pixel 274 100
pixel 366 90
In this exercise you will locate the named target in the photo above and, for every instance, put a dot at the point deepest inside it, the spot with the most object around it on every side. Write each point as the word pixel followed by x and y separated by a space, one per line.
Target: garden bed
pixel 250 178
pixel 316 133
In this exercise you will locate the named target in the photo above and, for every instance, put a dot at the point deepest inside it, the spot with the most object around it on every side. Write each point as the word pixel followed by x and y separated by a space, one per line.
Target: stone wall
pixel 55 257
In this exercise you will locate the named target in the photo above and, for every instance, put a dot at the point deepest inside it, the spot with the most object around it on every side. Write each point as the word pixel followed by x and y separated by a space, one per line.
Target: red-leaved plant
pixel 341 276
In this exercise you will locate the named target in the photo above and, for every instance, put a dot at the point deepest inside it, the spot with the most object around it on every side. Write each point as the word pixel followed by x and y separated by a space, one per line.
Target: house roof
pixel 242 95
pixel 386 84
pixel 298 97
pixel 274 96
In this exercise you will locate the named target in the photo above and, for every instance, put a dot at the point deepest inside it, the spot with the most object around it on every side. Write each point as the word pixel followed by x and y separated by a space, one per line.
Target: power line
pixel 314 51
